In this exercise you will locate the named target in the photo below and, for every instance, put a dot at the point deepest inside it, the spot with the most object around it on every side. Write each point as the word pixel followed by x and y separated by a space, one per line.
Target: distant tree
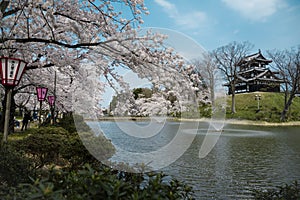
pixel 288 64
pixel 207 68
pixel 146 102
pixel 142 92
pixel 227 59
pixel 113 105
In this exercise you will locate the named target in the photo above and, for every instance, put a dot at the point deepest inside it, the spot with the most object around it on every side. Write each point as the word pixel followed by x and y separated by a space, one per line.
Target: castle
pixel 254 75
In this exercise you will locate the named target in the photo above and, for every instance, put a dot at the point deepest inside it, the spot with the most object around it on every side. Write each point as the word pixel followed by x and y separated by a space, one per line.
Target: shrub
pixel 205 110
pixel 68 123
pixel 14 166
pixel 88 183
pixel 288 191
pixel 49 130
pixel 55 145
pixel 78 154
pixel 78 149
pixel 43 145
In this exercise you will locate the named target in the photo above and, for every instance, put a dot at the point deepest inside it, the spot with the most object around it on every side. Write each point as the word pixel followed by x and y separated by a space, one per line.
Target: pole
pixel 40 114
pixel 257 98
pixel 53 107
pixel 52 115
pixel 7 115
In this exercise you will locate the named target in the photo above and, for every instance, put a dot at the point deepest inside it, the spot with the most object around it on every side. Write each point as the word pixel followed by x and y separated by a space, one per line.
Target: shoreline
pixel 227 121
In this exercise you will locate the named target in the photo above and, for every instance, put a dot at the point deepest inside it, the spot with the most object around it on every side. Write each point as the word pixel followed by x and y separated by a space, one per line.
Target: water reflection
pixel 231 132
pixel 244 158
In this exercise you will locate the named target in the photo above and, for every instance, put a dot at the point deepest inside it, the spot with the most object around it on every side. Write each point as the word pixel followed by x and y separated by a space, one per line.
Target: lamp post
pixel 12 70
pixel 41 96
pixel 34 106
pixel 51 100
pixel 257 97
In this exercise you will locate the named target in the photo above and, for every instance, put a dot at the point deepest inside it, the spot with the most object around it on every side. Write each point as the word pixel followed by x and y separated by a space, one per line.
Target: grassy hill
pixel 271 106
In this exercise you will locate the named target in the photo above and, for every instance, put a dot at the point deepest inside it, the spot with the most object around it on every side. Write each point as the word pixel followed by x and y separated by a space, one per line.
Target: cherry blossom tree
pixel 63 33
pixel 168 97
pixel 67 36
pixel 159 104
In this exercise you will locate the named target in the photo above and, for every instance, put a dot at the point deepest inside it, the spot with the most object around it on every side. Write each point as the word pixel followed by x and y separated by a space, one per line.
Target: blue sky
pixel 268 24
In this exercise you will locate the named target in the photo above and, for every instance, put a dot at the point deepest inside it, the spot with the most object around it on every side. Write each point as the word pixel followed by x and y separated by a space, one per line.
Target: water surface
pixel 244 158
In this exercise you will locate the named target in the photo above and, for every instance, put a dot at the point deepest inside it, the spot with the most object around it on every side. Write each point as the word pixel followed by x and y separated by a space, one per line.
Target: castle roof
pixel 260 76
pixel 255 57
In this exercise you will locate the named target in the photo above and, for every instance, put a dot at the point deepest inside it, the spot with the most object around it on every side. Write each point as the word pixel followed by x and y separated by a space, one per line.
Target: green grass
pixel 18 135
pixel 271 106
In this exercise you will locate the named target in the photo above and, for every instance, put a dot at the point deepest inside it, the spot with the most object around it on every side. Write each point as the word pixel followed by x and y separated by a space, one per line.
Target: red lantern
pixel 41 93
pixel 51 100
pixel 12 70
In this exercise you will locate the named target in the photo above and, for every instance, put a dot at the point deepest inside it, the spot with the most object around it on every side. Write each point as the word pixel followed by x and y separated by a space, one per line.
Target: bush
pixel 55 145
pixel 78 154
pixel 288 192
pixel 205 110
pixel 88 183
pixel 79 147
pixel 14 166
pixel 68 123
pixel 44 145
pixel 49 130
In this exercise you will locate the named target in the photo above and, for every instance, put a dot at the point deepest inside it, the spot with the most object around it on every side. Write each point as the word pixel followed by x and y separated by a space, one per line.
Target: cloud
pixel 236 31
pixel 189 20
pixel 166 5
pixel 256 10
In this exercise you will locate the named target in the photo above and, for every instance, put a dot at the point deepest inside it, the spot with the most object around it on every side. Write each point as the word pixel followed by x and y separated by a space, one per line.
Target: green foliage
pixel 205 110
pixel 97 144
pixel 158 186
pixel 68 123
pixel 49 130
pixel 171 97
pixel 82 149
pixel 288 192
pixel 44 145
pixel 14 166
pixel 113 103
pixel 88 183
pixel 143 92
pixel 78 148
pixel 55 145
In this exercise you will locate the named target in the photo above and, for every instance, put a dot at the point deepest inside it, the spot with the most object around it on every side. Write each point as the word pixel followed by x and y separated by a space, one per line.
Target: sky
pixel 267 24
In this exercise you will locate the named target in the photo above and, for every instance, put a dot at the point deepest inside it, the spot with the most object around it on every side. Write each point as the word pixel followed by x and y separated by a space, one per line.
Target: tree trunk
pixel 233 99
pixel 212 93
pixel 12 113
pixel 283 116
pixel 286 93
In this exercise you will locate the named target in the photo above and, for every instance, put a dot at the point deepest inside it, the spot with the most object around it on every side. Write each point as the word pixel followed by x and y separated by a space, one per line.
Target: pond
pixel 244 157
